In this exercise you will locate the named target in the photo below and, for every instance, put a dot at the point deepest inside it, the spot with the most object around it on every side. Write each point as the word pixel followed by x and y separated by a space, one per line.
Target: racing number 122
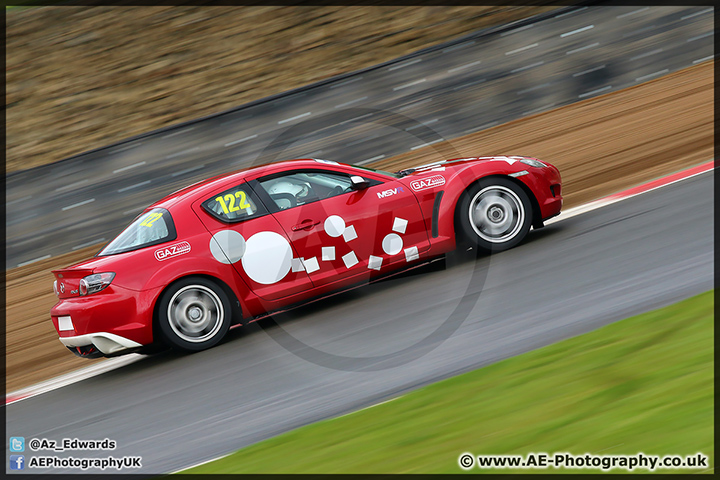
pixel 231 200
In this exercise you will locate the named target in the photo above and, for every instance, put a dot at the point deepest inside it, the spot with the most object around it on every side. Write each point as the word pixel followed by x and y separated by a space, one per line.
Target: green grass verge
pixel 644 384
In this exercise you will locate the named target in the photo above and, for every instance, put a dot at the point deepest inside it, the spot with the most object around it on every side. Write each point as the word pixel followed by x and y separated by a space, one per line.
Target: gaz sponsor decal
pixel 429 182
pixel 172 251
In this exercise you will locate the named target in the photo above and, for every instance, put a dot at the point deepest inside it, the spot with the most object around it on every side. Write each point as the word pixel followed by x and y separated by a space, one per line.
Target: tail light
pixel 57 294
pixel 96 282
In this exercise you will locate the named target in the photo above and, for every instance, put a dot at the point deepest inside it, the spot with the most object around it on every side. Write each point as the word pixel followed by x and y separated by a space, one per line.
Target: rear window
pixel 150 228
pixel 234 205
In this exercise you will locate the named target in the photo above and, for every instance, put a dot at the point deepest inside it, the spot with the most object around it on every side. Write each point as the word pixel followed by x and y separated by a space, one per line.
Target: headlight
pixel 533 163
pixel 95 283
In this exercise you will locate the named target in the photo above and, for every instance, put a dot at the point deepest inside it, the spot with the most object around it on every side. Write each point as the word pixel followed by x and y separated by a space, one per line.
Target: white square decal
pixel 374 262
pixel 411 254
pixel 297 265
pixel 350 259
pixel 349 233
pixel 65 324
pixel 328 253
pixel 311 264
pixel 399 225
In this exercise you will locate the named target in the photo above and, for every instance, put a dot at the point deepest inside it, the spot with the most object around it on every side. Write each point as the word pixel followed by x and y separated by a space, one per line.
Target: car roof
pixel 226 180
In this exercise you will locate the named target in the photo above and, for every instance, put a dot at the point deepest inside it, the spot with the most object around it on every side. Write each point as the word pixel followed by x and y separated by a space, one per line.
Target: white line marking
pixel 422 124
pixel 117 362
pixel 521 49
pixel 520 92
pixel 183 152
pixel 235 142
pixel 126 147
pixel 187 170
pixel 593 92
pixel 536 64
pixel 696 14
pixel 640 79
pixel 355 118
pixel 403 65
pixel 458 47
pixel 634 32
pixel 582 48
pixel 646 54
pixel 517 30
pixel 134 210
pixel 632 13
pixel 72 185
pixel 341 84
pixel 701 36
pixel 583 29
pixel 409 84
pixel 44 257
pixel 464 85
pixel 201 463
pixel 463 67
pixel 19 200
pixel 594 205
pixel 703 59
pixel 588 71
pixel 93 242
pixel 487 125
pixel 414 104
pixel 535 110
pixel 178 132
pixel 351 102
pixel 76 376
pixel 134 186
pixel 570 13
pixel 370 160
pixel 85 202
pixel 426 144
pixel 33 239
pixel 294 118
pixel 128 167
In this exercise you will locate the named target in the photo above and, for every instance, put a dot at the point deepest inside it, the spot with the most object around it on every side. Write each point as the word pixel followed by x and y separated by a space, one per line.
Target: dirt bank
pixel 601 145
pixel 80 78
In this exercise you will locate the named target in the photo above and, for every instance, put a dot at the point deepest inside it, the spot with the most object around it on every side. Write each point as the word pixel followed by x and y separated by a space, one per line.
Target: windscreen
pixel 151 228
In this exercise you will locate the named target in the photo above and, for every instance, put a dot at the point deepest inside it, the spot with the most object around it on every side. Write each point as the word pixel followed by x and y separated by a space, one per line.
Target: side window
pixel 234 205
pixel 299 188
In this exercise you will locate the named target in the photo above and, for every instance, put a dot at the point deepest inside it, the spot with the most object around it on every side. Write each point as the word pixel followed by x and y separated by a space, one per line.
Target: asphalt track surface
pixel 456 88
pixel 567 279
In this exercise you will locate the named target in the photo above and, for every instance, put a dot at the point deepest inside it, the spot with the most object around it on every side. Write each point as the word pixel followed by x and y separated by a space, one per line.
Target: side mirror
pixel 358 182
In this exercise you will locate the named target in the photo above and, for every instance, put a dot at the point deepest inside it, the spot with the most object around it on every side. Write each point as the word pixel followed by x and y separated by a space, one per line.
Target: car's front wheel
pixel 495 214
pixel 194 314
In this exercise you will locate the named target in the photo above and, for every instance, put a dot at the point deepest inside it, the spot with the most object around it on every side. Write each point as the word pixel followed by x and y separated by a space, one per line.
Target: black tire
pixel 194 314
pixel 494 214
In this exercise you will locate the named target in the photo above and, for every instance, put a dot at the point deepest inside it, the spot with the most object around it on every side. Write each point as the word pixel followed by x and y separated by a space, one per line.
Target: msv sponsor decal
pixel 429 182
pixel 387 193
pixel 172 251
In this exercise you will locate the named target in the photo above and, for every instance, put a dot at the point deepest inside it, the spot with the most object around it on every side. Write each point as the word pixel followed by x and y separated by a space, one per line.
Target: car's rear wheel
pixel 495 214
pixel 194 314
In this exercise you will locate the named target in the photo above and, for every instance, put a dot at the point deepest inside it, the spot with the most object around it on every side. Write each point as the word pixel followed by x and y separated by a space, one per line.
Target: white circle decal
pixel 334 225
pixel 392 244
pixel 227 246
pixel 268 257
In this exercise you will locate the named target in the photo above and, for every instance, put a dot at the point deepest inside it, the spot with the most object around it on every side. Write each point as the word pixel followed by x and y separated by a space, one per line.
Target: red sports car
pixel 231 249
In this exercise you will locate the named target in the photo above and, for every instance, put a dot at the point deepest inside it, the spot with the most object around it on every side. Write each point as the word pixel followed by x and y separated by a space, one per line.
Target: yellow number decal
pixel 222 204
pixel 243 199
pixel 231 202
pixel 151 218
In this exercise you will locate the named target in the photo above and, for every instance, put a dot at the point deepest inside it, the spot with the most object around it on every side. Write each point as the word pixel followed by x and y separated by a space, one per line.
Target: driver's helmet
pixel 283 186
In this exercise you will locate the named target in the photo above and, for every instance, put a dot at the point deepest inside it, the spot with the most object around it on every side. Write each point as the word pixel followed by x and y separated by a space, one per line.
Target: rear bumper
pixel 107 343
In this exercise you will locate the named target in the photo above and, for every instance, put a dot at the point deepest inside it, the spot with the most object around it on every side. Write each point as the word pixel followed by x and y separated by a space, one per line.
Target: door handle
pixel 305 225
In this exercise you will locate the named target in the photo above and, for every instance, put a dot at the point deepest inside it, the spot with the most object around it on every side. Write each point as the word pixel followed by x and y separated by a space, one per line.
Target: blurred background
pixel 110 108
